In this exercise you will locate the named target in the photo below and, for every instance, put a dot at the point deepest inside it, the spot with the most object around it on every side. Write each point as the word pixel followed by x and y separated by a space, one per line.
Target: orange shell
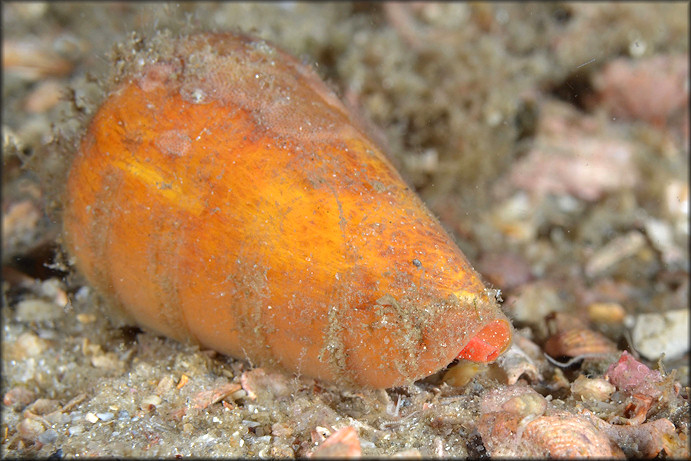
pixel 224 195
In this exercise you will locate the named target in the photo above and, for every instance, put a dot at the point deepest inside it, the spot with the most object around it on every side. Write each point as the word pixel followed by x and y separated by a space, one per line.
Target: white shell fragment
pixel 613 252
pixel 668 333
pixel 37 310
pixel 516 364
pixel 597 389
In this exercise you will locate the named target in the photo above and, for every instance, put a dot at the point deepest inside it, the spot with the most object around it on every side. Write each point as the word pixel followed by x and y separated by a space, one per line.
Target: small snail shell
pixel 222 194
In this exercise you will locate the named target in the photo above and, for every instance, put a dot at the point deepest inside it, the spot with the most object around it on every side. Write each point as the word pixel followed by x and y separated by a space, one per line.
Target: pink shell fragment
pixel 633 377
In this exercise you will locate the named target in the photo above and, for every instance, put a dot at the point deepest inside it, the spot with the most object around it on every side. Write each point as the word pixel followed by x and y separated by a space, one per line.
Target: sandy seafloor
pixel 551 140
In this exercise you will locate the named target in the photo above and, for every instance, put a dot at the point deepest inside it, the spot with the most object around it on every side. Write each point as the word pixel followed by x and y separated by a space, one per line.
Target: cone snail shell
pixel 223 195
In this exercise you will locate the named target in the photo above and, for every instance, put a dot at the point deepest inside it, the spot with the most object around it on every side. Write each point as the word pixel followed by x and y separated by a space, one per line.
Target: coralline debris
pixel 517 421
pixel 652 89
pixel 645 440
pixel 633 377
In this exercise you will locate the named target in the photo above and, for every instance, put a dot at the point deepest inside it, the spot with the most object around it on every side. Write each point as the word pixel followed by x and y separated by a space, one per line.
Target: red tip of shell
pixel 489 343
